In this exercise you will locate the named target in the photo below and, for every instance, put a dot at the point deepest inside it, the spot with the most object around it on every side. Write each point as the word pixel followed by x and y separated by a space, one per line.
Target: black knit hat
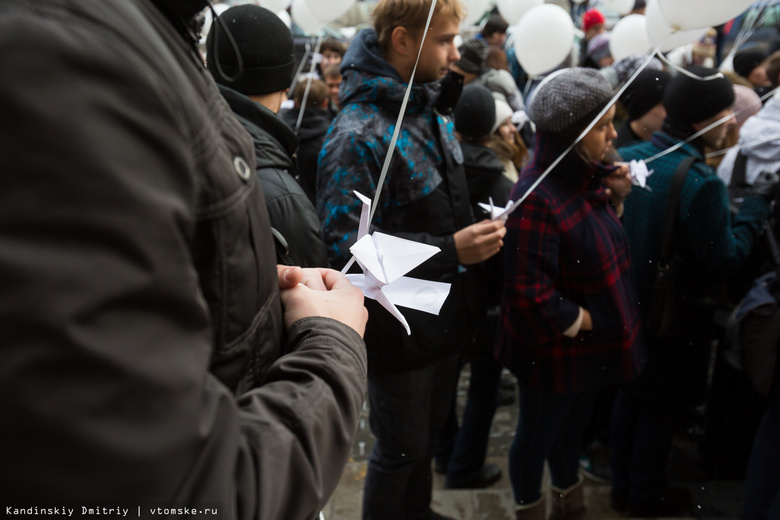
pixel 566 101
pixel 266 47
pixel 475 112
pixel 645 92
pixel 473 53
pixel 690 100
pixel 748 59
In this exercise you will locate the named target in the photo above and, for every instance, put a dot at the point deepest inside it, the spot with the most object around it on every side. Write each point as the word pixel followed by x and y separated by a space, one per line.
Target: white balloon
pixel 543 38
pixel 329 10
pixel 275 5
pixel 474 10
pixel 663 36
pixel 629 36
pixel 622 7
pixel 285 17
pixel 683 15
pixel 514 10
pixel 302 15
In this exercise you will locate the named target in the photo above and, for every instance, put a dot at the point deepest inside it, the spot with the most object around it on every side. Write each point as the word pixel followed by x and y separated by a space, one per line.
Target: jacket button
pixel 242 167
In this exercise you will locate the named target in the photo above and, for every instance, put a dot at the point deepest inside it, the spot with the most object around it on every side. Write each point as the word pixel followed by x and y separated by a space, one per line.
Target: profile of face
pixel 439 51
pixel 714 136
pixel 333 88
pixel 497 39
pixel 758 77
pixel 598 141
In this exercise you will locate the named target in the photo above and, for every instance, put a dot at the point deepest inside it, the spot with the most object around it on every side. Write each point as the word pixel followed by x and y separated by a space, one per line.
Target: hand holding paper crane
pixel 384 260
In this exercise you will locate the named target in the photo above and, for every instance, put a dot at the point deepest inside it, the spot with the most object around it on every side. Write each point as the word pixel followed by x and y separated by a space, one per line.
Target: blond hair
pixel 410 14
pixel 318 93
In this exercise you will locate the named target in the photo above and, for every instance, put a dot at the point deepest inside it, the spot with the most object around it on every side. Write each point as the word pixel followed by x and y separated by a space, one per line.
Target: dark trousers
pixel 407 411
pixel 762 486
pixel 471 441
pixel 642 434
pixel 549 428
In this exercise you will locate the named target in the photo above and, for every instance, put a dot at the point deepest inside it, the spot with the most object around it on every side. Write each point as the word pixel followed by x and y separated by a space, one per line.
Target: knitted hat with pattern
pixel 473 53
pixel 566 101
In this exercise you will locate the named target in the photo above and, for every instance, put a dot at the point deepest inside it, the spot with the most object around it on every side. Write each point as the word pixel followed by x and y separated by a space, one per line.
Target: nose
pixel 454 54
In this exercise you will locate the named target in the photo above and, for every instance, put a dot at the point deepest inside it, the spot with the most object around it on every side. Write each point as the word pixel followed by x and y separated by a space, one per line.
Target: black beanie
pixel 473 53
pixel 475 113
pixel 266 47
pixel 645 92
pixel 690 100
pixel 748 59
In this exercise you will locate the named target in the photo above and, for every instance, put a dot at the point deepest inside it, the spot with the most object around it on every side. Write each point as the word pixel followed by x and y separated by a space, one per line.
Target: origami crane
pixel 496 212
pixel 384 260
pixel 639 173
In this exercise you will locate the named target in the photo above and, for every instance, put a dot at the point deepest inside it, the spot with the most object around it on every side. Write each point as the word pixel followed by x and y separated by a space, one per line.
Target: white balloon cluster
pixel 544 33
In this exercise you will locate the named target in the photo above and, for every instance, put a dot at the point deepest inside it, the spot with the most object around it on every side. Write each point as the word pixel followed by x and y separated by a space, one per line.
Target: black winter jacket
pixel 311 135
pixel 140 320
pixel 292 213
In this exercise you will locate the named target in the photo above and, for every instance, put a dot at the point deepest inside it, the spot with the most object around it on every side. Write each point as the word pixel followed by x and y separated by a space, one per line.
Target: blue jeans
pixel 549 428
pixel 762 486
pixel 407 411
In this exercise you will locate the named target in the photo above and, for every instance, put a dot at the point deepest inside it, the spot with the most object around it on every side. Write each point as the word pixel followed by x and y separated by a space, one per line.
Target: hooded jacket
pixel 292 213
pixel 759 140
pixel 311 135
pixel 424 197
pixel 144 358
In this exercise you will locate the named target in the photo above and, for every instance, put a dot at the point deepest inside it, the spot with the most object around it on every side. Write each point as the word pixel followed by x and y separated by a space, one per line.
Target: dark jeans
pixel 762 487
pixel 549 428
pixel 471 440
pixel 642 434
pixel 407 411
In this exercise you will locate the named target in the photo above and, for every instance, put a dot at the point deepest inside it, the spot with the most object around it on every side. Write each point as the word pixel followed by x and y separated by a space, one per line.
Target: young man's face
pixel 439 50
pixel 333 88
pixel 714 136
pixel 497 39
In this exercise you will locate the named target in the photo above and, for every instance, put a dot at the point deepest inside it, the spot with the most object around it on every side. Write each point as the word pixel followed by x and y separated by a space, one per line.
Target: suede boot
pixel 535 511
pixel 568 504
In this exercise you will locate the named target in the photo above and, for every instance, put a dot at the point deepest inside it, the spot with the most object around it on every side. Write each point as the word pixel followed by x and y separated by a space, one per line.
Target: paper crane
pixel 496 212
pixel 384 260
pixel 639 173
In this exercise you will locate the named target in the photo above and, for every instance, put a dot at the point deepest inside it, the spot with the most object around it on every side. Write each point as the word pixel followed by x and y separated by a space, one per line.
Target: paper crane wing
pixel 375 293
pixel 496 212
pixel 399 256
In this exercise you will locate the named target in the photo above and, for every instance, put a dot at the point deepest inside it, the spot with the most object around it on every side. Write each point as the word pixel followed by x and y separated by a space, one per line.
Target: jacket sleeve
pixel 532 245
pixel 721 245
pixel 106 337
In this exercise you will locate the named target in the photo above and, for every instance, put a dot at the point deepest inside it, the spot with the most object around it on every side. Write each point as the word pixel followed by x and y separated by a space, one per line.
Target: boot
pixel 535 511
pixel 568 504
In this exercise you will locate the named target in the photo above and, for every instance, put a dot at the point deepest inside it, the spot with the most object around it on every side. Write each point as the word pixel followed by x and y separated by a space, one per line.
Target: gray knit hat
pixel 566 101
pixel 473 53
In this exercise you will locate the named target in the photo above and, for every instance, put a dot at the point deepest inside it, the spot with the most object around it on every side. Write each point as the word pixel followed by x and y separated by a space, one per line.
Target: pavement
pixel 713 499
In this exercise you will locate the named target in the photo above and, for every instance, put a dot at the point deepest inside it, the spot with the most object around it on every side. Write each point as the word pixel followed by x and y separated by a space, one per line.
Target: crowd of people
pixel 175 329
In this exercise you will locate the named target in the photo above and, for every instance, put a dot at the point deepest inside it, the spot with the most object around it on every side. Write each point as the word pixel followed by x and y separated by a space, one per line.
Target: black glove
pixel 765 185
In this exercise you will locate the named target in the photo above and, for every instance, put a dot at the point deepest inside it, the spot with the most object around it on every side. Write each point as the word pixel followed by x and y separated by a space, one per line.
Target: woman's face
pixel 507 131
pixel 597 142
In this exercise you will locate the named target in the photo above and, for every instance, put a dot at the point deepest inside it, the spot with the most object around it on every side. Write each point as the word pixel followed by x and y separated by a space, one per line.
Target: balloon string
pixel 546 172
pixel 688 73
pixel 308 84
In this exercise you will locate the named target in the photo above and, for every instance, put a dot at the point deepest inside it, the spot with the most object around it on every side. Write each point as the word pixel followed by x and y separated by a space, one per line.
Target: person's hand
pixel 618 185
pixel 478 242
pixel 321 292
pixel 765 185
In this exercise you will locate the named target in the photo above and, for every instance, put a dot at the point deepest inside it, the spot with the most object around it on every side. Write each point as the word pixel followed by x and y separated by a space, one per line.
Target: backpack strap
pixel 670 231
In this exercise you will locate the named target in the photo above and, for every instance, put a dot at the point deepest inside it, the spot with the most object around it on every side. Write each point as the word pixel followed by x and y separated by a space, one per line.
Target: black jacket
pixel 143 358
pixel 311 134
pixel 292 213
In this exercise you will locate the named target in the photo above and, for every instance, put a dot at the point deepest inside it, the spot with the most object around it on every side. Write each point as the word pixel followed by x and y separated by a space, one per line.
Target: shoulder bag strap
pixel 738 178
pixel 675 191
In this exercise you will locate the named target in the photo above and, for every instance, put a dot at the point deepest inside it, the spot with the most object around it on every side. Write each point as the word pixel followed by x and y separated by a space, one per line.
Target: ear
pixel 401 41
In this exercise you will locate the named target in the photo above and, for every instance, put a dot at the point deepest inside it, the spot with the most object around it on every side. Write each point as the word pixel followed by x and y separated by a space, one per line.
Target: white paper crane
pixel 639 173
pixel 496 212
pixel 384 260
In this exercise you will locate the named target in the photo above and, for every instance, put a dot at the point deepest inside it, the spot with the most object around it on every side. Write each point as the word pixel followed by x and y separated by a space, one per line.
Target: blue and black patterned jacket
pixel 424 197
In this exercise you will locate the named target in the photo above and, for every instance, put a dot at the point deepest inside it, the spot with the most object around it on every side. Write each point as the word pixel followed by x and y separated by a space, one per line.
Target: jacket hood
pixel 763 129
pixel 275 142
pixel 368 78
pixel 315 122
